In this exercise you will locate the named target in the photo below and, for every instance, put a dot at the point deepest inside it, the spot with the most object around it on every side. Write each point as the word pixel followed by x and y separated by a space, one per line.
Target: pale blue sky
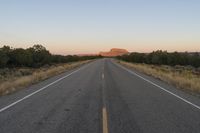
pixel 90 26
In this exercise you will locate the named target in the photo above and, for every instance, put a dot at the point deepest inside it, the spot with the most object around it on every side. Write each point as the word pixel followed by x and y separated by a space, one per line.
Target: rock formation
pixel 114 52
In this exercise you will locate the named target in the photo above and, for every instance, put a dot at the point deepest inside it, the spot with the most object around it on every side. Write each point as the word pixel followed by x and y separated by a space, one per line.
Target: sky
pixel 89 26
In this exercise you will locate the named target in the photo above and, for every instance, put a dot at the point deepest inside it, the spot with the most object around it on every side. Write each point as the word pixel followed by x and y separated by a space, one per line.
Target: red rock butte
pixel 114 52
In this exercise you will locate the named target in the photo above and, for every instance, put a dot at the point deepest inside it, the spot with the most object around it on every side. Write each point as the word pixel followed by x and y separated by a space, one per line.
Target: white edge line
pixel 35 92
pixel 194 105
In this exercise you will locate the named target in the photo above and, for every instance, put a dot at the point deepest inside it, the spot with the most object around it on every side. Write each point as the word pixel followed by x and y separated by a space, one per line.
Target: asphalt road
pixel 100 97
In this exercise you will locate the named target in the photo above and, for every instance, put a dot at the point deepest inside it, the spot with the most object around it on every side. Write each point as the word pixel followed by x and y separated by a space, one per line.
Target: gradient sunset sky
pixel 90 26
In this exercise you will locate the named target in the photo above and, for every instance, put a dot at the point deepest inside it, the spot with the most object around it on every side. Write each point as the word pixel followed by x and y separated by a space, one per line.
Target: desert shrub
pixel 164 58
pixel 35 56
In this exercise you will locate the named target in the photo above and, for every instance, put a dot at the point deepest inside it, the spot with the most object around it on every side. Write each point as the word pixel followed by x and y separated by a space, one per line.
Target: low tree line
pixel 164 58
pixel 35 56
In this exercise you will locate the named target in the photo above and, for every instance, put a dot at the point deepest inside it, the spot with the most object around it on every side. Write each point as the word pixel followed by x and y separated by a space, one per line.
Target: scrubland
pixel 13 79
pixel 183 77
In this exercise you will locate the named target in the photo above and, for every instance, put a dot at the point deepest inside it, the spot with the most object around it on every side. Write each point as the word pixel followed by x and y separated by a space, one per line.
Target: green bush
pixel 164 58
pixel 35 56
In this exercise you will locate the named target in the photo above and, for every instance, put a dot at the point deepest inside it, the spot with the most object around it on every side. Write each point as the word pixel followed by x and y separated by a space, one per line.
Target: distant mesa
pixel 114 52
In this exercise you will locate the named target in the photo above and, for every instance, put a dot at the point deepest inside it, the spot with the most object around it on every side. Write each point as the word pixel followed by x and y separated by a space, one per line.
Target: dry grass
pixel 182 77
pixel 13 80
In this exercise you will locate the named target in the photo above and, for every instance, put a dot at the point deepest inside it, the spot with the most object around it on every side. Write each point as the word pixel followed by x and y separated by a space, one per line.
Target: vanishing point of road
pixel 100 97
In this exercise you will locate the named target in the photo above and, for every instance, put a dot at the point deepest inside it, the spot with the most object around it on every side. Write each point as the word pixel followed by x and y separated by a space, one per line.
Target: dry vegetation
pixel 187 78
pixel 17 78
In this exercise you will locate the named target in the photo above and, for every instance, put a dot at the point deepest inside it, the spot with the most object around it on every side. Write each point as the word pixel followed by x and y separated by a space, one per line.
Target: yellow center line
pixel 105 120
pixel 102 76
pixel 104 111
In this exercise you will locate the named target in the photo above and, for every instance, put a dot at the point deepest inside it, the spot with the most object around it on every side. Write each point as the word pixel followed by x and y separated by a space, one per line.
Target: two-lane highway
pixel 100 97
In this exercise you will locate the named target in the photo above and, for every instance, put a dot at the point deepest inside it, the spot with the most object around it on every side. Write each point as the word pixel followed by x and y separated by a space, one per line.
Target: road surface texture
pixel 100 97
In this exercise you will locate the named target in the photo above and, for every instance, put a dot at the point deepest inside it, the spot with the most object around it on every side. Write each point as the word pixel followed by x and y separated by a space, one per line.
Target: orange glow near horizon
pixel 88 27
pixel 91 47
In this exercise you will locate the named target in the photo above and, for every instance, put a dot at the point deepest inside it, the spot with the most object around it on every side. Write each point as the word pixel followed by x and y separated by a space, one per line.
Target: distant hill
pixel 114 52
